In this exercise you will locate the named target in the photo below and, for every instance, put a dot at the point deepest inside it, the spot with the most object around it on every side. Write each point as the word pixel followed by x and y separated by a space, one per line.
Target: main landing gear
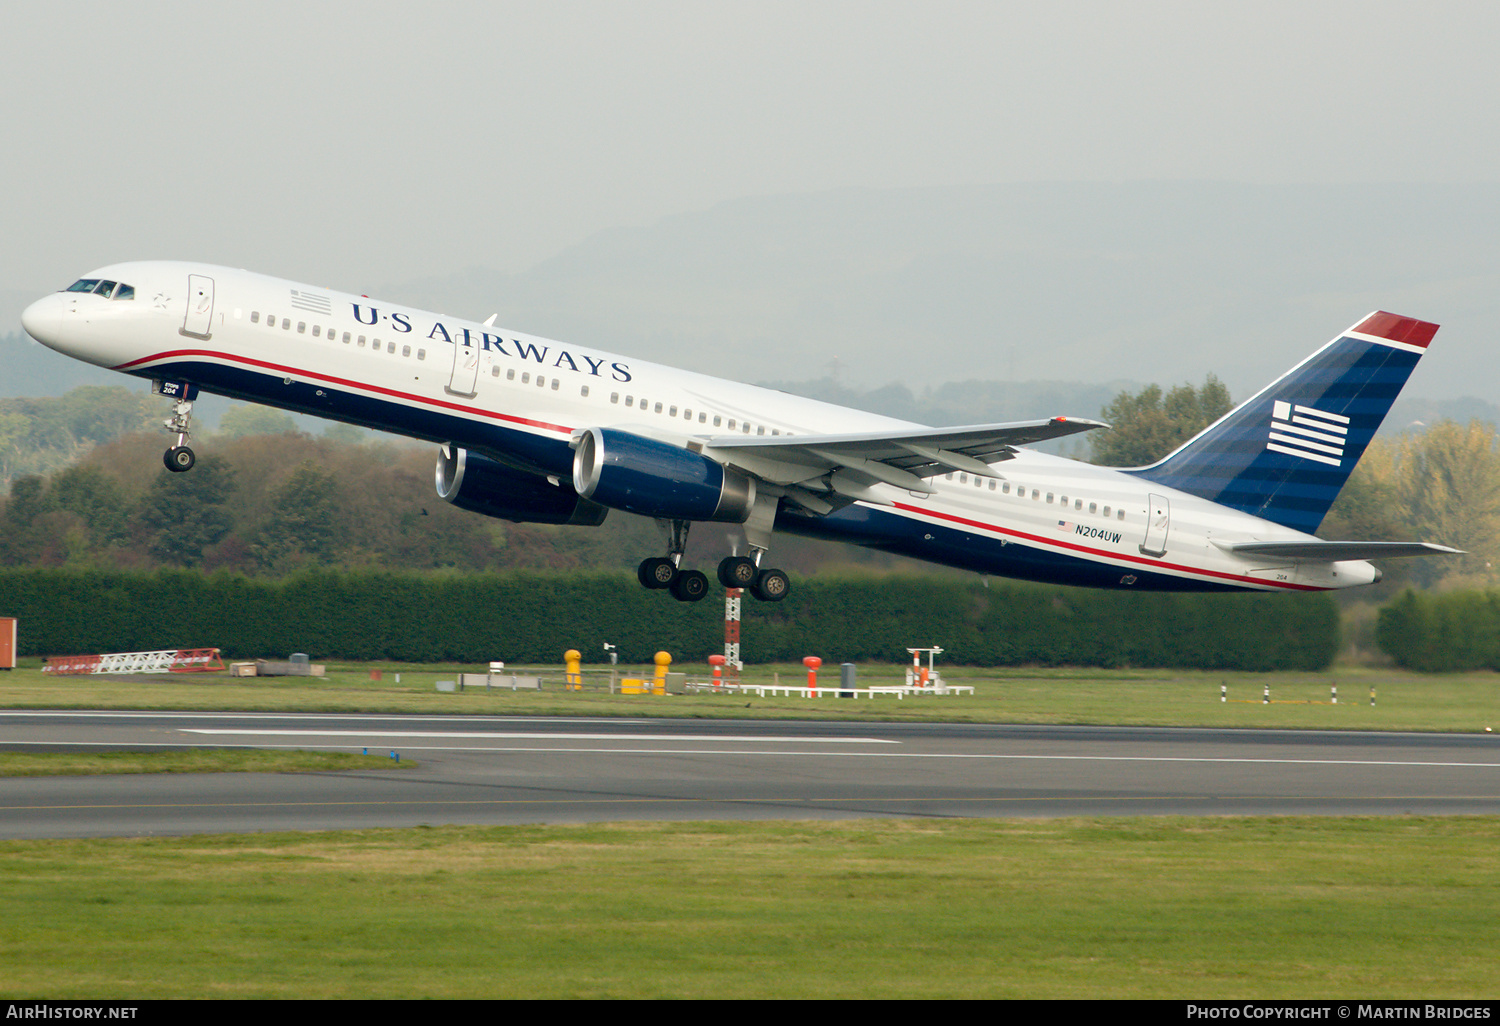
pixel 664 572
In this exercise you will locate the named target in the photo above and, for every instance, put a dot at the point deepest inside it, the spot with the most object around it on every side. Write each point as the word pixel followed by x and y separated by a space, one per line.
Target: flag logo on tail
pixel 1309 433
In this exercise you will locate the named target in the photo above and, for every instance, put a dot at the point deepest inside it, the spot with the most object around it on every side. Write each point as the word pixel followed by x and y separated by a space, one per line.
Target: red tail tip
pixel 1397 328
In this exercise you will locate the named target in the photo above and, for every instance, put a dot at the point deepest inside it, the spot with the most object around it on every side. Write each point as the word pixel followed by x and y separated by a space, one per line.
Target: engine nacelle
pixel 657 479
pixel 482 485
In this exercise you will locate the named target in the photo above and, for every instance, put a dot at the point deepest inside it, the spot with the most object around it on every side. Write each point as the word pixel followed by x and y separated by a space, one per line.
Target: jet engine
pixel 482 485
pixel 658 479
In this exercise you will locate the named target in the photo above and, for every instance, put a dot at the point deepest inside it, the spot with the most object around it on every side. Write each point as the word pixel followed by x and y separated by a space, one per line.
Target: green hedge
pixel 1459 630
pixel 529 617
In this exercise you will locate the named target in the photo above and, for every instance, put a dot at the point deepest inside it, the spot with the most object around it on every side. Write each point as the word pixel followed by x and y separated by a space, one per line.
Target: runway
pixel 496 770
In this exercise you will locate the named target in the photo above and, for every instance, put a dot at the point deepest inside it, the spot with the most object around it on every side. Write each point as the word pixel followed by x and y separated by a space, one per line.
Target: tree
pixel 96 498
pixel 185 514
pixel 1447 487
pixel 1147 426
pixel 306 523
pixel 252 419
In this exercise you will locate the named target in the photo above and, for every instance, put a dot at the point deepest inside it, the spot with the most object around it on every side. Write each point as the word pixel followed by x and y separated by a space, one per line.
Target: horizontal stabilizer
pixel 1327 551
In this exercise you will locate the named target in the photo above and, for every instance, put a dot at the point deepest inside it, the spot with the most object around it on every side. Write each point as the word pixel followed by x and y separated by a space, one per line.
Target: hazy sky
pixel 356 145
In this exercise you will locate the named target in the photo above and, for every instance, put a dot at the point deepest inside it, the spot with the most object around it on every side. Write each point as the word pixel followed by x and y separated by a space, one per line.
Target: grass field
pixel 1129 908
pixel 1404 701
pixel 190 760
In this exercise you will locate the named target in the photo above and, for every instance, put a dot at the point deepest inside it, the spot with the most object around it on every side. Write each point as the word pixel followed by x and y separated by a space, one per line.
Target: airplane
pixel 533 430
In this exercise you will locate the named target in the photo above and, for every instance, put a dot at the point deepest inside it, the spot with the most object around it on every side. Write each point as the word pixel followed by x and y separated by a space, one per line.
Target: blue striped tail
pixel 1284 454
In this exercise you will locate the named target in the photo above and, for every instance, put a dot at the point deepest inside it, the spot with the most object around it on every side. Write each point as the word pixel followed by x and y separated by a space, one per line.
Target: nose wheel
pixel 179 459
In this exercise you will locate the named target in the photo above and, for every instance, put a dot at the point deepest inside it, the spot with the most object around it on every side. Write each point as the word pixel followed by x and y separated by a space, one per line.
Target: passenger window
pixel 510 375
pixel 962 478
pixel 1106 511
pixel 1005 488
pixel 731 425
pixel 346 339
pixel 286 324
pixel 745 427
pixel 541 382
pixel 1093 507
pixel 406 351
pixel 555 383
pixel 421 354
pixel 716 420
pixel 658 408
pixel 254 316
pixel 494 372
pixel 526 378
pixel 584 392
pixel 317 328
pixel 1119 514
pixel 302 327
pixel 1049 496
pixel 614 397
pixel 630 400
pixel 672 412
pixel 702 418
pixel 361 339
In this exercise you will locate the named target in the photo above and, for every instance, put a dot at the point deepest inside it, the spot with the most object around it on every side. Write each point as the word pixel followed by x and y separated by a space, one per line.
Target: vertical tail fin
pixel 1284 454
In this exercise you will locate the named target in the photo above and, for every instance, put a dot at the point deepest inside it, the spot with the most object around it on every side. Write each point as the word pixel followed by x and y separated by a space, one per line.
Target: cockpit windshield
pixel 99 287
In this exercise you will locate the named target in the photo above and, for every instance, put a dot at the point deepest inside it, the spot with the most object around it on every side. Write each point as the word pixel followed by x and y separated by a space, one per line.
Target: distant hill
pixel 1089 282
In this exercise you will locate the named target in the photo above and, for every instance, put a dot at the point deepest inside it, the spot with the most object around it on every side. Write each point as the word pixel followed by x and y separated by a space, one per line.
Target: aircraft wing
pixel 852 462
pixel 1322 551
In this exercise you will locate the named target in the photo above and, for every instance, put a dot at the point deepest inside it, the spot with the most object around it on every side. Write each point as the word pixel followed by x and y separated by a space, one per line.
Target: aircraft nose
pixel 42 320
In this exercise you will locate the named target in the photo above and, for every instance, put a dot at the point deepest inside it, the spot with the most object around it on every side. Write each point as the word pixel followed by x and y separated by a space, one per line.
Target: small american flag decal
pixel 311 302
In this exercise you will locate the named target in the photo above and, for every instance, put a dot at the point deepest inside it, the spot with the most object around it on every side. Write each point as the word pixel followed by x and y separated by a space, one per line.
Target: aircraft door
pixel 464 380
pixel 198 322
pixel 1158 520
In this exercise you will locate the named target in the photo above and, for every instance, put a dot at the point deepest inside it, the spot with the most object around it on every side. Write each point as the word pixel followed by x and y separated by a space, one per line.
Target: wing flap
pixel 922 453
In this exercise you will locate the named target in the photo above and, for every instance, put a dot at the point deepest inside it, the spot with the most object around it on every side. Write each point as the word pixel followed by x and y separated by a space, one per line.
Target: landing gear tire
pixel 656 573
pixel 737 572
pixel 771 586
pixel 179 459
pixel 690 586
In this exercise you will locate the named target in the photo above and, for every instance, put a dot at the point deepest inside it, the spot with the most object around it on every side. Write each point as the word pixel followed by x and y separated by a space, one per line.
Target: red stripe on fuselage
pixel 345 382
pixel 1153 563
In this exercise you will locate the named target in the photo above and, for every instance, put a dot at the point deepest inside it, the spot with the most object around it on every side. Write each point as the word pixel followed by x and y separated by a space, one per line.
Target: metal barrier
pixel 169 660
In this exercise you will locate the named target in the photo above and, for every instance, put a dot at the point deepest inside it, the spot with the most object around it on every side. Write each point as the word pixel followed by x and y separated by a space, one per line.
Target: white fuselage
pixel 523 399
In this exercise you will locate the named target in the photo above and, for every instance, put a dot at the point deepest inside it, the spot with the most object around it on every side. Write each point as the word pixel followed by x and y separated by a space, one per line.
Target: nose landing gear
pixel 179 458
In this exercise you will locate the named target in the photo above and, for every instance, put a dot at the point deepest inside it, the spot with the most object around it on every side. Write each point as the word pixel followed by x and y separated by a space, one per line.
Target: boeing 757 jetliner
pixel 534 430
